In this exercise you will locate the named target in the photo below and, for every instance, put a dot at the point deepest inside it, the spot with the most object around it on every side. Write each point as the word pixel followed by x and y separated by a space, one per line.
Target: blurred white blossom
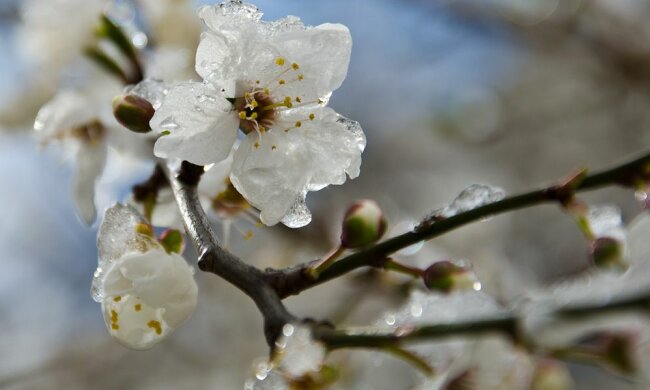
pixel 145 292
pixel 55 32
pixel 82 121
pixel 278 77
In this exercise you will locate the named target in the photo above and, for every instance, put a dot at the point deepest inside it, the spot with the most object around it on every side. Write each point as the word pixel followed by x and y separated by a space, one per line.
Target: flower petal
pixel 91 159
pixel 271 179
pixel 201 124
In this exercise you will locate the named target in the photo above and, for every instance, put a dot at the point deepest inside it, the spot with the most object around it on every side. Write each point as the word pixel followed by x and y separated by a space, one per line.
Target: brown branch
pixel 213 258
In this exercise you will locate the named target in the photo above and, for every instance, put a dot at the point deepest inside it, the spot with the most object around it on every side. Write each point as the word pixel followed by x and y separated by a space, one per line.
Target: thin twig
pixel 213 258
pixel 294 280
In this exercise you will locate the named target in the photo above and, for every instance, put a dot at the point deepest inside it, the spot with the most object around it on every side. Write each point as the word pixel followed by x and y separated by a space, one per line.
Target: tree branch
pixel 213 258
pixel 294 280
pixel 509 324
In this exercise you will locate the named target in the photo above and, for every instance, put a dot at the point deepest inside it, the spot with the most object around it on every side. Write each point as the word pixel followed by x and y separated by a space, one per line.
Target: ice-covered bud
pixel 608 252
pixel 445 276
pixel 133 112
pixel 551 375
pixel 363 224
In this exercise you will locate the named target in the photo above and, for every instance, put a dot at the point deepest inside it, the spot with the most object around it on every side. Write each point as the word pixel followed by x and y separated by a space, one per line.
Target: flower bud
pixel 445 276
pixel 133 112
pixel 607 252
pixel 363 224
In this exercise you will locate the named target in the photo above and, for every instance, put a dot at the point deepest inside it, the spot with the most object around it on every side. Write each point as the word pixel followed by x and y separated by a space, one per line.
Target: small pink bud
pixel 363 224
pixel 445 276
pixel 133 112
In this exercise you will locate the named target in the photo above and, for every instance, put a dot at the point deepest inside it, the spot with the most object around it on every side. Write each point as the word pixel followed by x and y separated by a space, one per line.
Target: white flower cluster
pixel 272 81
pixel 145 292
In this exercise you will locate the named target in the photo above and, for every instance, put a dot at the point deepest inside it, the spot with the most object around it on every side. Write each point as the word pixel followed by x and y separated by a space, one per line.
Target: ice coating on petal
pixel 299 353
pixel 606 221
pixel 197 125
pixel 147 295
pixel 275 172
pixel 474 196
pixel 239 48
pixel 117 236
pixel 298 215
pixel 154 91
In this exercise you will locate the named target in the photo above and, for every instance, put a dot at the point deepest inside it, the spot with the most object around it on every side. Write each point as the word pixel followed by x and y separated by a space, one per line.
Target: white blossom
pixel 145 292
pixel 55 32
pixel 298 352
pixel 82 121
pixel 278 76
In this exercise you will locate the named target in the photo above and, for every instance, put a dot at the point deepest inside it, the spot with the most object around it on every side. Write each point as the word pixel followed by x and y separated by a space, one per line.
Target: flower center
pixel 256 111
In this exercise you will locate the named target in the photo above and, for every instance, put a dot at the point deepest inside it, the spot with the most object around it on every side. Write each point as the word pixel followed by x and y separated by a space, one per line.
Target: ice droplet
pixel 355 128
pixel 474 196
pixel 169 124
pixel 266 378
pixel 390 319
pixel 239 8
pixel 152 90
pixel 299 215
pixel 606 221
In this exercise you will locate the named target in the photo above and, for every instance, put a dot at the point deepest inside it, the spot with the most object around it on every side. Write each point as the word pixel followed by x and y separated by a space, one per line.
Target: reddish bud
pixel 363 224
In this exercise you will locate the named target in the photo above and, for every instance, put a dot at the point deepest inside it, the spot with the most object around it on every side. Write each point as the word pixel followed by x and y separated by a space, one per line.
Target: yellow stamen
pixel 295 66
pixel 298 124
pixel 249 235
pixel 115 326
pixel 117 298
pixel 273 147
pixel 311 117
pixel 257 145
pixel 279 61
pixel 242 114
pixel 113 316
pixel 282 82
pixel 254 103
pixel 137 307
pixel 153 324
pixel 301 77
pixel 298 99
pixel 253 116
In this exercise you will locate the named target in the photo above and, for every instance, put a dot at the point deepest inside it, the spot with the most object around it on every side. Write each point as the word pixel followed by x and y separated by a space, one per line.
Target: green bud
pixel 133 112
pixel 172 240
pixel 607 252
pixel 445 276
pixel 363 224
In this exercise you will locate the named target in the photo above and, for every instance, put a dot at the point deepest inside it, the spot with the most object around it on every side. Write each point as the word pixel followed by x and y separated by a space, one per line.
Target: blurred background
pixel 450 93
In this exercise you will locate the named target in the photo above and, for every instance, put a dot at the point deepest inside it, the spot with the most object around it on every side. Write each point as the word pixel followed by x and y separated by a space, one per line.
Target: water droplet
pixel 416 310
pixel 477 286
pixel 206 98
pixel 139 40
pixel 287 330
pixel 390 319
pixel 169 124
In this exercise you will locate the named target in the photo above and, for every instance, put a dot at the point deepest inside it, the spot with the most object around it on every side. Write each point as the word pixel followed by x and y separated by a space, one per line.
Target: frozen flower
pixel 55 32
pixel 297 351
pixel 82 121
pixel 272 80
pixel 145 291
